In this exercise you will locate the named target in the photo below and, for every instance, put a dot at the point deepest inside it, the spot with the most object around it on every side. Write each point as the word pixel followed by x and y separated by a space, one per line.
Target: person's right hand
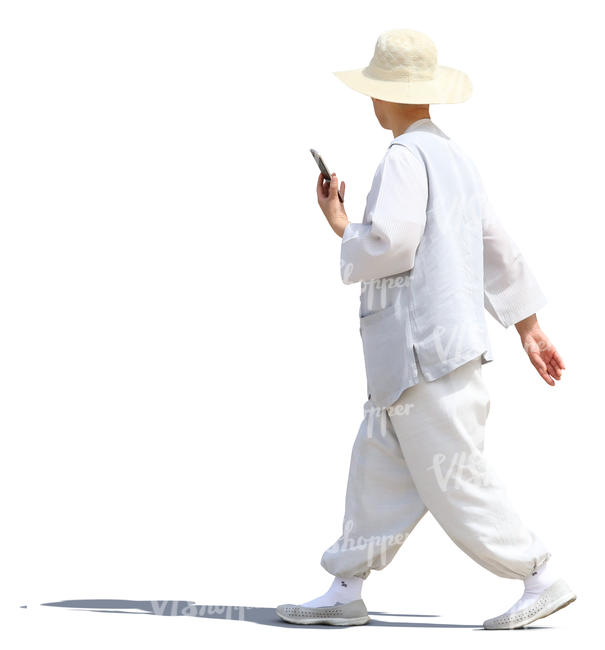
pixel 333 209
pixel 541 352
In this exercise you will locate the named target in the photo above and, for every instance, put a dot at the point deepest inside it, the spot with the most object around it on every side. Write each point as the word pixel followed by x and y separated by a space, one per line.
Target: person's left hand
pixel 541 352
pixel 333 209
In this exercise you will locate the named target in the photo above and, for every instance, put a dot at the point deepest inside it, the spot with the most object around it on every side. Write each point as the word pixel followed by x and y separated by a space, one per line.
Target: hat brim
pixel 449 86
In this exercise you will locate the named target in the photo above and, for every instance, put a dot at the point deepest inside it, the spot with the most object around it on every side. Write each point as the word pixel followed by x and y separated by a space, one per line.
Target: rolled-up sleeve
pixel 511 292
pixel 396 217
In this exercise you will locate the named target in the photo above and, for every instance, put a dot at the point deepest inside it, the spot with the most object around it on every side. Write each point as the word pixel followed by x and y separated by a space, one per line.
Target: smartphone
pixel 324 169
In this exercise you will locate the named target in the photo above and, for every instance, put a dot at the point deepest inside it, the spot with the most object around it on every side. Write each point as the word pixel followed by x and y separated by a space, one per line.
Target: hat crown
pixel 403 55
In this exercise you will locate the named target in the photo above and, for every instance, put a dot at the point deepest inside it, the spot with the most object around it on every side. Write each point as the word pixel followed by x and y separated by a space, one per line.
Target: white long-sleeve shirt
pixel 385 243
pixel 511 292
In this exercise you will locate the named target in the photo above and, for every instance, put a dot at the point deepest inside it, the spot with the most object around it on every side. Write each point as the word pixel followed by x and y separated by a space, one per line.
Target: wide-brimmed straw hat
pixel 404 69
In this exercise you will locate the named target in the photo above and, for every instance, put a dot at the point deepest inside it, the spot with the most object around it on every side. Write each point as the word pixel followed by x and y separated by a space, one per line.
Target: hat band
pixel 375 72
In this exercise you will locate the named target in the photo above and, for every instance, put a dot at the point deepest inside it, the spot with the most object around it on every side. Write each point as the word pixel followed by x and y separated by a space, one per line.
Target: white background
pixel 181 370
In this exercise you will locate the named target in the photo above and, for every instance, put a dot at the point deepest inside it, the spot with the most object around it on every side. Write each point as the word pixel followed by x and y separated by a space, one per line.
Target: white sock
pixel 343 590
pixel 535 584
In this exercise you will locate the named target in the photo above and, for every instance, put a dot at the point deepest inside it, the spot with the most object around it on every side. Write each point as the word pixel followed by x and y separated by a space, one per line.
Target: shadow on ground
pixel 260 615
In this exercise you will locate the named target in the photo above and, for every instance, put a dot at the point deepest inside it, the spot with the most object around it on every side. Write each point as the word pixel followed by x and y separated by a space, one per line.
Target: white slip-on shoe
pixel 557 596
pixel 353 613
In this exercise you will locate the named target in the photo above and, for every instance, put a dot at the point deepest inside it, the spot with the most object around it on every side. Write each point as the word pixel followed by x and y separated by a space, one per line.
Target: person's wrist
pixel 527 324
pixel 340 227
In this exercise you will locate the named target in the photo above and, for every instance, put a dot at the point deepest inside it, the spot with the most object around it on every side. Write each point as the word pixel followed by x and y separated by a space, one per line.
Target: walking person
pixel 430 256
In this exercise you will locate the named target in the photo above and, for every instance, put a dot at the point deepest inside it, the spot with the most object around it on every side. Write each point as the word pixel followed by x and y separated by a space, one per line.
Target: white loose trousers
pixel 425 453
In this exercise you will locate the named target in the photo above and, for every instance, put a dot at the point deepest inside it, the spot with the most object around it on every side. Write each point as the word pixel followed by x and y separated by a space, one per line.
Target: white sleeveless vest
pixel 432 317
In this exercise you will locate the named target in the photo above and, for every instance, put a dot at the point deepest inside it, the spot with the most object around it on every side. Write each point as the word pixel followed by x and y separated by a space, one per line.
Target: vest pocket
pixel 382 336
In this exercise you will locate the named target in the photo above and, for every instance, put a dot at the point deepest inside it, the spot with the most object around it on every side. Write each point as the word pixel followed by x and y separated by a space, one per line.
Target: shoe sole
pixel 362 620
pixel 557 605
pixel 554 607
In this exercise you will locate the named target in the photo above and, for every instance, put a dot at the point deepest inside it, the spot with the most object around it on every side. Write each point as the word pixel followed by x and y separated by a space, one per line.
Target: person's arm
pixel 513 296
pixel 387 243
pixel 511 292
